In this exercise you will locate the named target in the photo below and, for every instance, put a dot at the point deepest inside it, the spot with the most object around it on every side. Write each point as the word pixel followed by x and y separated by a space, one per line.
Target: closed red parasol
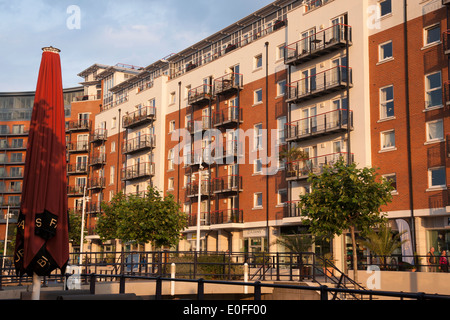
pixel 42 243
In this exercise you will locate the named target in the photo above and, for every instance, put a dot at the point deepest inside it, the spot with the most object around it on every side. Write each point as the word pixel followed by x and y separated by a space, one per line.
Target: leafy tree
pixel 151 218
pixel 75 228
pixel 345 197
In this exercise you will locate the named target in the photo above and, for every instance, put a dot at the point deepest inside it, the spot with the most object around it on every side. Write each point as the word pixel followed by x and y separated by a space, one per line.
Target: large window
pixel 433 90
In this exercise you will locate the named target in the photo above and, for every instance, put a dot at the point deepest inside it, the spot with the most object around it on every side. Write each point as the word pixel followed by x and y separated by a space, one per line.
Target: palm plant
pixel 383 242
pixel 292 154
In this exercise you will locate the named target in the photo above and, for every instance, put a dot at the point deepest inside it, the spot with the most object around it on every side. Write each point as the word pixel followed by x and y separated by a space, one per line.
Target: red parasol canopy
pixel 42 243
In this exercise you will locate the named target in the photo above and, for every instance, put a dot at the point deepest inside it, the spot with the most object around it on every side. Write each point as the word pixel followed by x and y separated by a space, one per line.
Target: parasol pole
pixel 36 291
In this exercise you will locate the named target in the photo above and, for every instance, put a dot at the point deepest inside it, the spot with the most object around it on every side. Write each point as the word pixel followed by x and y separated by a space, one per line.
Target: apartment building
pixel 409 109
pixel 15 116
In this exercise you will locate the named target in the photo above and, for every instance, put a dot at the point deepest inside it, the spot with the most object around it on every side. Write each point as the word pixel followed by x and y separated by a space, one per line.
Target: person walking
pixel 443 261
pixel 431 260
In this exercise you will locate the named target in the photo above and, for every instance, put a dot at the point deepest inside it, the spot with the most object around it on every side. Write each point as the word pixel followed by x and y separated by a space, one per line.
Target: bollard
pixel 122 284
pixel 323 293
pixel 172 275
pixel 257 294
pixel 201 289
pixel 158 294
pixel 246 277
pixel 92 284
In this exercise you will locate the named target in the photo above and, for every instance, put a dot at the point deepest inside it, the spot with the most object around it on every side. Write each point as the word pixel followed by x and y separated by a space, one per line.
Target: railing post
pixel 195 261
pixel 158 293
pixel 323 293
pixel 92 284
pixel 278 266
pixel 200 289
pixel 1 277
pixel 122 284
pixel 257 293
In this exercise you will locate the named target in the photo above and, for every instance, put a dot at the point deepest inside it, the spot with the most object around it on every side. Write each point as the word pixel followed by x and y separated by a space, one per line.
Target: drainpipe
pixel 408 127
pixel 267 146
pixel 119 152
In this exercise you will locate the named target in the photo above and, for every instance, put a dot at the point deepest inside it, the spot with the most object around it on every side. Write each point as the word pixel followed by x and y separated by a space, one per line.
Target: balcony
pixel 192 188
pixel 229 83
pixel 93 207
pixel 201 124
pixel 97 159
pixel 230 150
pixel 77 168
pixel 140 143
pixel 15 145
pixel 231 183
pixel 78 125
pixel 300 169
pixel 319 125
pixel 321 43
pixel 227 216
pixel 99 135
pixel 204 219
pixel 320 84
pixel 141 116
pixel 141 170
pixel 20 132
pixel 96 183
pixel 200 94
pixel 80 146
pixel 11 190
pixel 292 209
pixel 229 116
pixel 199 156
pixel 75 191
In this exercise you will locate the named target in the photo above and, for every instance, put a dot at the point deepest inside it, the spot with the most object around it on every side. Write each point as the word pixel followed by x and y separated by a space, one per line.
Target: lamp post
pixel 6 240
pixel 82 222
pixel 198 203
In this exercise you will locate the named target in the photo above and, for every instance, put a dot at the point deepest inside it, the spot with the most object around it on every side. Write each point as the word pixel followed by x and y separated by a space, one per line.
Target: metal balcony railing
pixel 99 135
pixel 300 169
pixel 228 115
pixel 146 141
pixel 141 170
pixel 192 188
pixel 204 219
pixel 75 190
pixel 77 168
pixel 80 146
pixel 318 125
pixel 227 184
pixel 139 117
pixel 230 82
pixel 200 124
pixel 318 44
pixel 200 94
pixel 96 183
pixel 292 209
pixel 97 158
pixel 227 216
pixel 78 125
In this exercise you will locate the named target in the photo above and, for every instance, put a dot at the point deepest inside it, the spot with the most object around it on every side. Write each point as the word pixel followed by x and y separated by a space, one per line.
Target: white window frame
pixel 170 159
pixel 383 145
pixel 279 192
pixel 257 166
pixel 256 100
pixel 425 35
pixel 257 62
pixel 258 137
pixel 438 138
pixel 379 4
pixel 256 195
pixel 389 175
pixel 384 102
pixel 428 90
pixel 381 50
pixel 281 88
pixel 430 178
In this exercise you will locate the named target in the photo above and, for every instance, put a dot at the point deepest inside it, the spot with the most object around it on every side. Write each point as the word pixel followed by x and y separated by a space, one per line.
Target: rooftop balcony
pixel 320 84
pixel 300 169
pixel 141 170
pixel 227 216
pixel 231 183
pixel 322 124
pixel 141 116
pixel 77 168
pixel 99 135
pixel 78 125
pixel 229 83
pixel 321 43
pixel 229 116
pixel 140 143
pixel 200 94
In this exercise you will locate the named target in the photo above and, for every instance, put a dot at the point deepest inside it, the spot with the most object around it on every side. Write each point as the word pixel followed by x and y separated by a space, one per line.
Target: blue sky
pixel 136 32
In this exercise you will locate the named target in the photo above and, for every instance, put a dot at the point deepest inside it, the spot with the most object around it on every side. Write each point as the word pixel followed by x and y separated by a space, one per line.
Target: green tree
pixel 75 228
pixel 345 197
pixel 151 218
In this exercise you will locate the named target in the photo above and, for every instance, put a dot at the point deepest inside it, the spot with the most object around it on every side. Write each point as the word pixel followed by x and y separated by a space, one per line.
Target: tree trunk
pixel 355 260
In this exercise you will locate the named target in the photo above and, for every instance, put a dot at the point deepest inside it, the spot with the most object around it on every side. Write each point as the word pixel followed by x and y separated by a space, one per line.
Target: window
pixel 385 51
pixel 281 122
pixel 282 197
pixel 170 159
pixel 170 184
pixel 258 136
pixel 433 90
pixel 436 177
pixel 112 171
pixel 172 97
pixel 257 168
pixel 257 62
pixel 435 130
pixel 172 126
pixel 385 7
pixel 392 179
pixel 388 140
pixel 387 102
pixel 113 122
pixel 432 34
pixel 281 88
pixel 257 200
pixel 113 146
pixel 257 96
pixel 187 180
pixel 280 52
